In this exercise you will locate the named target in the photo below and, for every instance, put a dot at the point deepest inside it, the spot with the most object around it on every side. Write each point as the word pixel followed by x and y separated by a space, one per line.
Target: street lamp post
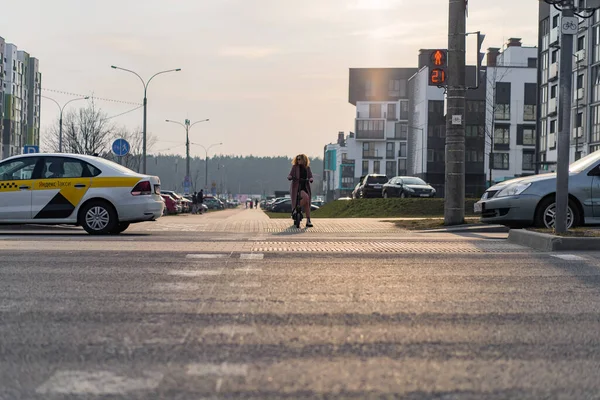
pixel 187 127
pixel 60 146
pixel 206 162
pixel 145 106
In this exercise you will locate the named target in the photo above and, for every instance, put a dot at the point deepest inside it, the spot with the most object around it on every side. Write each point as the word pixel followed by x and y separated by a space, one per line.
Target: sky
pixel 271 75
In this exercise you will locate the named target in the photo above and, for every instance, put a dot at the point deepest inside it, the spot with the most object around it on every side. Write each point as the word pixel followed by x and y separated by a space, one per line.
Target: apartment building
pixel 511 109
pixel 20 100
pixel 585 118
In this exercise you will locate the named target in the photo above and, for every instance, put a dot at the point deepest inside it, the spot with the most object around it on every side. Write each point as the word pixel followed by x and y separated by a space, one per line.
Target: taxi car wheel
pixel 98 218
pixel 121 227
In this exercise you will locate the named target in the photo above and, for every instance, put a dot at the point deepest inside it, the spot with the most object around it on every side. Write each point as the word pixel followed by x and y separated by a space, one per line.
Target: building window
pixel 430 155
pixel 528 160
pixel 580 43
pixel 474 131
pixel 376 167
pixel 553 90
pixel 473 156
pixel 595 131
pixel 528 136
pixel 401 131
pixel 391 111
pixel 529 112
pixel 402 150
pixel 554 56
pixel 404 109
pixel 502 111
pixel 390 150
pixel 374 110
pixel 402 167
pixel 436 106
pixel 552 135
pixel 532 62
pixel 500 161
pixel 502 135
pixel 390 168
pixel 580 81
pixel 365 167
pixel 555 21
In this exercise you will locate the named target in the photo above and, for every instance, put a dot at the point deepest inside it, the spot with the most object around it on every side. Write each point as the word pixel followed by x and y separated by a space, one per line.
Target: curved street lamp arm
pixel 133 72
pixel 158 73
pixel 197 122
pixel 70 101
pixel 55 102
pixel 175 122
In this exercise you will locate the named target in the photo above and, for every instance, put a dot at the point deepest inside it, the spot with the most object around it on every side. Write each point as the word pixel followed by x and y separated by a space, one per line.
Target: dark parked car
pixel 285 205
pixel 407 186
pixel 370 186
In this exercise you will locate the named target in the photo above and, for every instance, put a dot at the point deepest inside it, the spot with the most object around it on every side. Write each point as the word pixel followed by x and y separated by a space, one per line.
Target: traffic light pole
pixel 454 204
pixel 564 121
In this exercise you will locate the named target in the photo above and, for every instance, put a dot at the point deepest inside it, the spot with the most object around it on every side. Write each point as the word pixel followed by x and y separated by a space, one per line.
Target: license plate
pixel 477 207
pixel 424 195
pixel 378 186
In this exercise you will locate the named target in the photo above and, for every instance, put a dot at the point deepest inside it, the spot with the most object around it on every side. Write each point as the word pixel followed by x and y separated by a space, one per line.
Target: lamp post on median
pixel 61 118
pixel 206 162
pixel 144 145
pixel 187 127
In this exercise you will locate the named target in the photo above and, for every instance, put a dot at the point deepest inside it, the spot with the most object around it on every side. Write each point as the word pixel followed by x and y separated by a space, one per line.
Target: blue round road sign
pixel 120 147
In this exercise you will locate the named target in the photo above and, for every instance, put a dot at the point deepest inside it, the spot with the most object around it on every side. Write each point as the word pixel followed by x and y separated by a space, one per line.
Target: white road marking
pixel 248 269
pixel 245 284
pixel 568 257
pixel 98 383
pixel 192 272
pixel 252 256
pixel 180 286
pixel 217 369
pixel 207 256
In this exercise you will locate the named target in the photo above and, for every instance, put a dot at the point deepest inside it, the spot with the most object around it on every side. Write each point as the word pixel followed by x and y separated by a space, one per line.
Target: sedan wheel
pixel 402 195
pixel 385 195
pixel 546 215
pixel 98 218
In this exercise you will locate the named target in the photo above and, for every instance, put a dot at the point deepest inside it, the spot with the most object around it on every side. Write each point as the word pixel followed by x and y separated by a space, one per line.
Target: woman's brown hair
pixel 304 157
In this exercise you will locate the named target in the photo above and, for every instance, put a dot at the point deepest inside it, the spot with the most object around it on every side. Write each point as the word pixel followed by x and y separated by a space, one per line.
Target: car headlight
pixel 513 189
pixel 433 191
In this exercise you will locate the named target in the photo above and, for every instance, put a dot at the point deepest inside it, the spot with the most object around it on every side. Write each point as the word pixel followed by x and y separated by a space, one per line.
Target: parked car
pixel 178 199
pixel 531 200
pixel 285 205
pixel 407 186
pixel 370 186
pixel 213 203
pixel 170 205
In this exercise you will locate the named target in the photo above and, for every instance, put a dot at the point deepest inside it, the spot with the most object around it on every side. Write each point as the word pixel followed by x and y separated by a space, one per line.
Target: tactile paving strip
pixel 487 246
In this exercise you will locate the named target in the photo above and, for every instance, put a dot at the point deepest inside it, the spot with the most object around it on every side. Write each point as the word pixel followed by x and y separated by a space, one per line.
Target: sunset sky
pixel 272 75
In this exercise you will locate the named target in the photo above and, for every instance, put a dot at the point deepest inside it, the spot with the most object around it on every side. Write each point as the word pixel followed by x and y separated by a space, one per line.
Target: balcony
pixel 554 34
pixel 370 129
pixel 553 73
pixel 552 106
pixel 370 135
pixel 371 154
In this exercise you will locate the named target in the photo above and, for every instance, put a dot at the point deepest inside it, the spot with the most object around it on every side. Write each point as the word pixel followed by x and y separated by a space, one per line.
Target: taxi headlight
pixel 513 189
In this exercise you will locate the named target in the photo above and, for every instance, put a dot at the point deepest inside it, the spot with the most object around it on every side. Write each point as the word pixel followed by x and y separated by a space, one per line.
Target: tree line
pixel 89 130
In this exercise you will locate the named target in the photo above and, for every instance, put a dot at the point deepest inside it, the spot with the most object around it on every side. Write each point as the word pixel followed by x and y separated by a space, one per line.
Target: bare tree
pixel 84 131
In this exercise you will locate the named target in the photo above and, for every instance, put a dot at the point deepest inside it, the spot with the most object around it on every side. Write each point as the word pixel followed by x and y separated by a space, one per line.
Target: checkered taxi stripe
pixel 8 186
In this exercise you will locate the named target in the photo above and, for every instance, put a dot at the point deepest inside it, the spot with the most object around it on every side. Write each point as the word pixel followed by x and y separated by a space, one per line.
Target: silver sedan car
pixel 531 200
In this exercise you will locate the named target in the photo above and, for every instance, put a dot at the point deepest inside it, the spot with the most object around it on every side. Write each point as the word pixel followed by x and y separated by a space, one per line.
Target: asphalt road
pixel 174 314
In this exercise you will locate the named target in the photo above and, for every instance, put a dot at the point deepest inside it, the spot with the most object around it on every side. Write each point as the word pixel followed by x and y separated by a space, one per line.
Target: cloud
pixel 248 52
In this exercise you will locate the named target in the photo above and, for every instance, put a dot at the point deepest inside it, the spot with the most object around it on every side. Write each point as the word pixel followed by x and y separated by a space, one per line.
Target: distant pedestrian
pixel 195 203
pixel 201 201
pixel 255 203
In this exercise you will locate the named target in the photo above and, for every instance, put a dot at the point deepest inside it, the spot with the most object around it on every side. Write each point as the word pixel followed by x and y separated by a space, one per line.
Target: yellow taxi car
pixel 101 196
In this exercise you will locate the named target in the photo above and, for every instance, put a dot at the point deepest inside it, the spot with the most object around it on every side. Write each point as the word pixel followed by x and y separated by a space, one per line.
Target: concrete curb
pixel 467 228
pixel 546 242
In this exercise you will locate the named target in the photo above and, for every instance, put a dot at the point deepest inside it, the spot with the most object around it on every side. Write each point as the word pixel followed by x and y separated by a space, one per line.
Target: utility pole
pixel 564 117
pixel 454 204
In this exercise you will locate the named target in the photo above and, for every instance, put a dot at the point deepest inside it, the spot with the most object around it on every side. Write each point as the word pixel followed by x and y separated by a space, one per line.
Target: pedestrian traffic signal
pixel 437 67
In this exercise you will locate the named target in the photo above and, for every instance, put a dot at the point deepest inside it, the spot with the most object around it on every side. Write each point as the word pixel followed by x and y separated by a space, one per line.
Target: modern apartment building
pixel 585 119
pixel 20 100
pixel 427 131
pixel 511 106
